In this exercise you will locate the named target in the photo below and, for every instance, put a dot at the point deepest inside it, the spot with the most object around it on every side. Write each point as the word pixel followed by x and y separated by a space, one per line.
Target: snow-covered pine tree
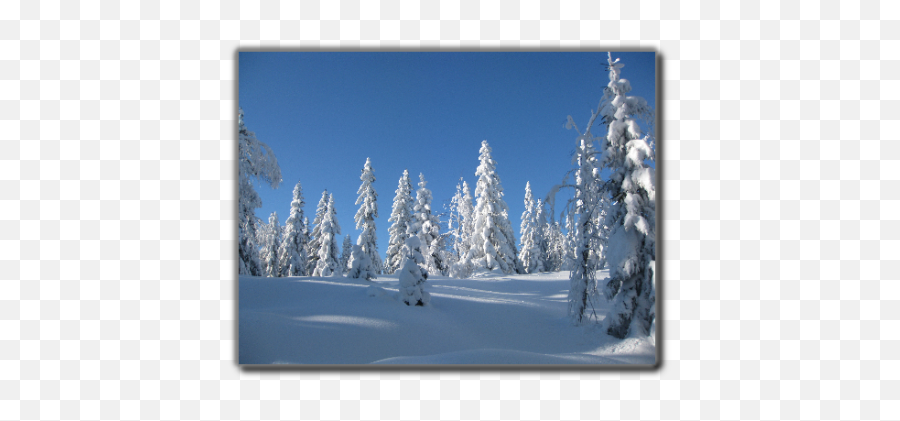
pixel 255 161
pixel 461 227
pixel 529 208
pixel 293 255
pixel 453 225
pixel 262 236
pixel 540 233
pixel 631 217
pixel 384 267
pixel 270 247
pixel 315 240
pixel 346 250
pixel 427 227
pixel 568 255
pixel 583 284
pixel 401 214
pixel 328 263
pixel 493 240
pixel 588 234
pixel 467 229
pixel 556 254
pixel 604 229
pixel 365 219
pixel 466 219
pixel 412 273
pixel 360 266
pixel 530 253
pixel 552 253
pixel 248 247
pixel 309 250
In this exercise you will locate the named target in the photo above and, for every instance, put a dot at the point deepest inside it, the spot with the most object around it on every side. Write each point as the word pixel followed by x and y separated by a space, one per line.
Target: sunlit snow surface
pixel 490 319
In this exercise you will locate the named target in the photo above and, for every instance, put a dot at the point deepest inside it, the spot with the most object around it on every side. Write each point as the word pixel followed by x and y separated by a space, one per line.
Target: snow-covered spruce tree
pixel 541 240
pixel 401 214
pixel 315 240
pixel 530 253
pixel 551 243
pixel 310 252
pixel 329 262
pixel 631 217
pixel 493 240
pixel 557 247
pixel 462 228
pixel 360 266
pixel 365 218
pixel 427 227
pixel 248 257
pixel 262 235
pixel 256 161
pixel 346 250
pixel 582 281
pixel 465 212
pixel 413 274
pixel 384 267
pixel 270 247
pixel 292 255
pixel 467 227
pixel 453 225
pixel 583 220
pixel 604 229
pixel 568 256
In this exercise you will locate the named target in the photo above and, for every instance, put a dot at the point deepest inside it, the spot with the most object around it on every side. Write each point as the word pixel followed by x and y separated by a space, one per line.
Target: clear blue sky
pixel 324 113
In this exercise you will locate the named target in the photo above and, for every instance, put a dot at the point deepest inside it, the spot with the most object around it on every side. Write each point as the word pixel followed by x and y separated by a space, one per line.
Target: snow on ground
pixel 490 319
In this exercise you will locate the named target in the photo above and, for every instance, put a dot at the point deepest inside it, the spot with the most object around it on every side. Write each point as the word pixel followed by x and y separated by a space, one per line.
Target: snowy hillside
pixel 493 319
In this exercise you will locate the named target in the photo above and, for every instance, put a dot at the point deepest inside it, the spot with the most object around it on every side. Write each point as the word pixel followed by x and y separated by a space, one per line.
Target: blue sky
pixel 324 113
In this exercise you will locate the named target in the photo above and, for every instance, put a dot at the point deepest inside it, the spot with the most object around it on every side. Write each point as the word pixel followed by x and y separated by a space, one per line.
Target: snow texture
pixel 494 319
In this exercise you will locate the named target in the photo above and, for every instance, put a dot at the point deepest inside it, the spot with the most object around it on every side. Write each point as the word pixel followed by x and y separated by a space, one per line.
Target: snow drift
pixel 493 319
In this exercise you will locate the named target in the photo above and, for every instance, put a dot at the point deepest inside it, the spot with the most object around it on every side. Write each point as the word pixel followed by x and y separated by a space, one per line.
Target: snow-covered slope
pixel 491 319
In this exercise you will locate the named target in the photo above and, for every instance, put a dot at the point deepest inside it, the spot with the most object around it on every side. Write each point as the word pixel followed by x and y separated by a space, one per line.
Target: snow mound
pixel 375 291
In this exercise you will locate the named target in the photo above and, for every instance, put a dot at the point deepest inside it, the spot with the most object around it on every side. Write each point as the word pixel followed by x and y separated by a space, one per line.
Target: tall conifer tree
pixel 401 214
pixel 365 218
pixel 293 255
pixel 493 241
